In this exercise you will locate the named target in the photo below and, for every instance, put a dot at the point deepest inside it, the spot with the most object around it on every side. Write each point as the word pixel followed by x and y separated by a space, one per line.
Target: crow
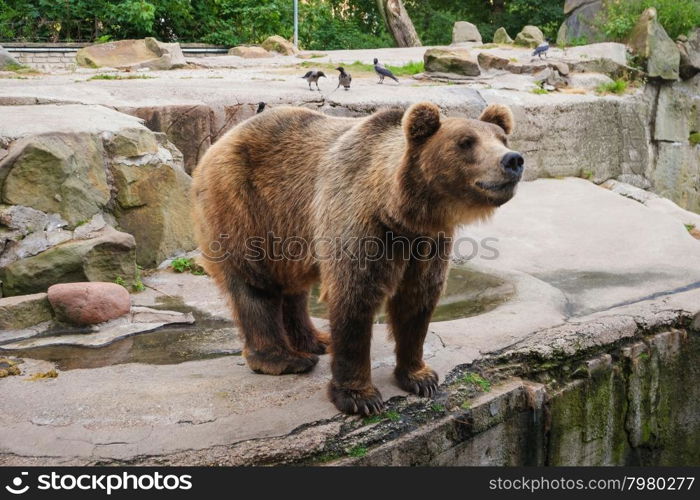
pixel 382 72
pixel 344 78
pixel 541 49
pixel 312 77
pixel 261 107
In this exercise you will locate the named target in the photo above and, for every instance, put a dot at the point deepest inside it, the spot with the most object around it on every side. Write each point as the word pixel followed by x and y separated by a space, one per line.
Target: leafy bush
pixel 618 17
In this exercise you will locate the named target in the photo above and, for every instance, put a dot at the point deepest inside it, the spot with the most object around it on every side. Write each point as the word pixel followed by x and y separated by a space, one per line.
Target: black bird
pixel 344 78
pixel 382 72
pixel 312 77
pixel 261 107
pixel 541 49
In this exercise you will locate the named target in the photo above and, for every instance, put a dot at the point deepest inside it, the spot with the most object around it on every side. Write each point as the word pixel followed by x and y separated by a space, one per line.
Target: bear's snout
pixel 513 165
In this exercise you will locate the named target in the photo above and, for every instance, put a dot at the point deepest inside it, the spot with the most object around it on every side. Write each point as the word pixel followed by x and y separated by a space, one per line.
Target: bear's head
pixel 465 160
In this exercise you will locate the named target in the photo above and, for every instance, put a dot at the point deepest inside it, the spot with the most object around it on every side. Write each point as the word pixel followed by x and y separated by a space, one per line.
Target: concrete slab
pixel 571 249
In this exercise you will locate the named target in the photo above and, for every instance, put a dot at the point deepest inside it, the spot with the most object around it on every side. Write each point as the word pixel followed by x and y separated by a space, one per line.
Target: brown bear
pixel 325 187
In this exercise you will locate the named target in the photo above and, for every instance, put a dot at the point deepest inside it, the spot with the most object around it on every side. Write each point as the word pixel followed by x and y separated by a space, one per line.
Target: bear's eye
pixel 467 142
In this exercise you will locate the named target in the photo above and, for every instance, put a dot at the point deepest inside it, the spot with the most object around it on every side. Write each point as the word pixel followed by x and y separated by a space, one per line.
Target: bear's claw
pixel 365 402
pixel 423 382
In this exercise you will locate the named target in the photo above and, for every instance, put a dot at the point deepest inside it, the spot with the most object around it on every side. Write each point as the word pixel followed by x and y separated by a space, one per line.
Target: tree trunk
pixel 399 24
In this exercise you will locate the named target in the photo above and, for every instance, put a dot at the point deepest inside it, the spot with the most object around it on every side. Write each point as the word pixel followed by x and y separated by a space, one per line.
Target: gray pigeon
pixel 382 72
pixel 312 77
pixel 344 78
pixel 541 49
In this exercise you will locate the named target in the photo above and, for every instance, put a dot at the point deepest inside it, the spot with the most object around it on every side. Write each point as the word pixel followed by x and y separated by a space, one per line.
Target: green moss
pixel 689 227
pixel 438 408
pixel 694 138
pixel 540 90
pixel 477 380
pixel 357 451
pixel 393 416
pixel 120 77
pixel 466 405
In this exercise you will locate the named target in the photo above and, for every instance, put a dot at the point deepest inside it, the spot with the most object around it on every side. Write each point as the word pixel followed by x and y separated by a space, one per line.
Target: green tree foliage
pixel 324 24
pixel 433 19
pixel 677 17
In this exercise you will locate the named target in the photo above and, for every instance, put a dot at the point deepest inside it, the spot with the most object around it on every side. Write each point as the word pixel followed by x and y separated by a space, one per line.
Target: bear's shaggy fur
pixel 329 185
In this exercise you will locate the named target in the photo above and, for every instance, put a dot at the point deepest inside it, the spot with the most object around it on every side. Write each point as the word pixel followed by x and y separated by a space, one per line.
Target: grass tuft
pixel 618 87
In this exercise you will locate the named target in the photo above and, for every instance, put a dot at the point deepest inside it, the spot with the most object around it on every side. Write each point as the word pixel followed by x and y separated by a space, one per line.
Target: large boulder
pixel 249 52
pixel 462 31
pixel 650 42
pixel 162 225
pixel 678 111
pixel 88 303
pixel 492 61
pixel 689 48
pixel 502 36
pixel 280 45
pixel 455 61
pixel 108 256
pixel 59 173
pixel 581 22
pixel 529 36
pixel 146 53
pixel 7 61
pixel 24 311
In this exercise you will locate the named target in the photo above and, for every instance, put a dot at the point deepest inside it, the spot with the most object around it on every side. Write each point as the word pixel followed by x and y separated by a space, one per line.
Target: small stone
pixel 502 36
pixel 462 31
pixel 530 36
pixel 249 52
pixel 89 303
pixel 24 311
pixel 278 44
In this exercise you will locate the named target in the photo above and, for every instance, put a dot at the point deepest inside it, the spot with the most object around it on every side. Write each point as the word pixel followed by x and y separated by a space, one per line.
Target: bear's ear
pixel 500 115
pixel 420 121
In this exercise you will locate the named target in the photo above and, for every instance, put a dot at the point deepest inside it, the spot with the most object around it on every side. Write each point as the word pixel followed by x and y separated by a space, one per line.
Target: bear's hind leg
pixel 302 334
pixel 267 349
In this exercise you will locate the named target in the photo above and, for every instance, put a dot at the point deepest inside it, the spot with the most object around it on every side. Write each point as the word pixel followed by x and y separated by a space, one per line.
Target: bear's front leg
pixel 410 309
pixel 352 305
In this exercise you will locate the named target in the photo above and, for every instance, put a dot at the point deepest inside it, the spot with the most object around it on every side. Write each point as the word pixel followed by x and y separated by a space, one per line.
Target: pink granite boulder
pixel 88 303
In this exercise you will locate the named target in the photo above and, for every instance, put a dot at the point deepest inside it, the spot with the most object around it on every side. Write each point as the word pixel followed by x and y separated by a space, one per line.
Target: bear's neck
pixel 412 206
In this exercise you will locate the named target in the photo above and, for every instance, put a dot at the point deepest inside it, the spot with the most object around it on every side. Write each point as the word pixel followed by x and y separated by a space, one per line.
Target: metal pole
pixel 296 23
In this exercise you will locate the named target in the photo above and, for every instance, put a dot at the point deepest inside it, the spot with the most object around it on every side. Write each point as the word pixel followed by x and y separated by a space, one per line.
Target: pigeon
pixel 312 77
pixel 261 107
pixel 382 72
pixel 541 49
pixel 344 78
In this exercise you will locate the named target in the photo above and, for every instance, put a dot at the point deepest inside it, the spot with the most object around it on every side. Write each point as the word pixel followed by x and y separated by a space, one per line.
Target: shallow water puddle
pixel 467 293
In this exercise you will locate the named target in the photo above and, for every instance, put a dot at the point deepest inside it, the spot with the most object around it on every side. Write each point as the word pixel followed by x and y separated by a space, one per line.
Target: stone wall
pixel 61 56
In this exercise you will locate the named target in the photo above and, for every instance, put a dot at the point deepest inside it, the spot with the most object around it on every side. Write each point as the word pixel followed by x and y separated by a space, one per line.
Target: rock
pixel 7 61
pixel 131 142
pixel 689 49
pixel 133 54
pixel 615 52
pixel 162 225
pixel 491 61
pixel 530 36
pixel 462 31
pixel 23 311
pixel 107 257
pixel 581 22
pixel 501 36
pixel 24 220
pixel 676 174
pixel 678 111
pixel 278 44
pixel 588 81
pixel 88 303
pixel 251 52
pixel 457 61
pixel 652 45
pixel 45 173
pixel 550 77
